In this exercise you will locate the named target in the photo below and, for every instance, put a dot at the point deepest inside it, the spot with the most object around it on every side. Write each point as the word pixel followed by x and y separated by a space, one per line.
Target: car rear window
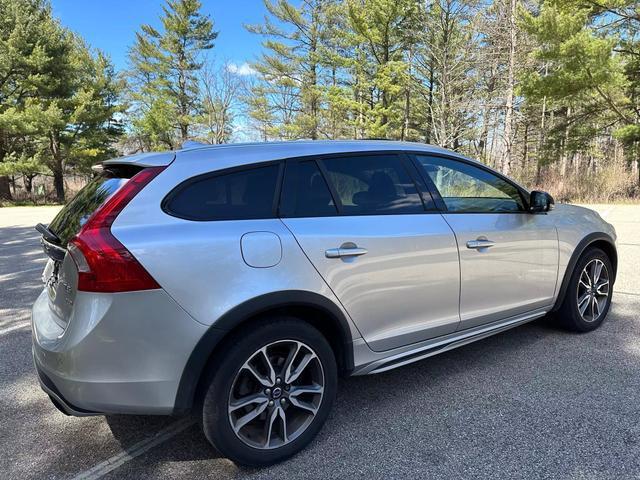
pixel 74 215
pixel 245 194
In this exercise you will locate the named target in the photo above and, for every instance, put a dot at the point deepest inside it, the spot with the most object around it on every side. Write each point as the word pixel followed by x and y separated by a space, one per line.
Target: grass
pixel 27 203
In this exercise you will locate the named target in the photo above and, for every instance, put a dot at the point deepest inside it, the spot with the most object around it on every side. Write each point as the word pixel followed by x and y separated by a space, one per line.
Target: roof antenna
pixel 192 144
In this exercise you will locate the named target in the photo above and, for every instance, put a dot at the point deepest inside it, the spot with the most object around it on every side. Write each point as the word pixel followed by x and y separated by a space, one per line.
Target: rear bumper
pixel 57 398
pixel 120 353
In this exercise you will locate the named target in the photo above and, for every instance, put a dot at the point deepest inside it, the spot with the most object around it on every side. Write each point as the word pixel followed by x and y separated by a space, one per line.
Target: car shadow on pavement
pixel 124 427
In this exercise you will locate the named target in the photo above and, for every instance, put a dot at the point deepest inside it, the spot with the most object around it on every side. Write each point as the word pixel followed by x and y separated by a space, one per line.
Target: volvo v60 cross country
pixel 239 281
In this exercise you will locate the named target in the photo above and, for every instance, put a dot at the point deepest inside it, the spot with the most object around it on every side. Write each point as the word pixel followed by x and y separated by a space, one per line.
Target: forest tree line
pixel 545 91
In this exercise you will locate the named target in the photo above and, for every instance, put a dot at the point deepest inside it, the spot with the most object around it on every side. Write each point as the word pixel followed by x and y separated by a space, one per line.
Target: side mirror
pixel 540 202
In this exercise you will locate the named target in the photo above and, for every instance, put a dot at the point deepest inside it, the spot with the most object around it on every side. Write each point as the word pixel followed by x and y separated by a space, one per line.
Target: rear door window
pixel 74 215
pixel 305 192
pixel 373 184
pixel 244 194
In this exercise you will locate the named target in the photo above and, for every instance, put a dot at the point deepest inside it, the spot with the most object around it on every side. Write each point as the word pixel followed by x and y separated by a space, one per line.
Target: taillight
pixel 104 264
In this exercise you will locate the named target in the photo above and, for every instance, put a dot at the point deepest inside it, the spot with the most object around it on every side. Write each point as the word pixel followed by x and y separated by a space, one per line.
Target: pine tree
pixel 57 98
pixel 78 114
pixel 261 114
pixel 290 67
pixel 29 44
pixel 583 79
pixel 163 74
pixel 383 27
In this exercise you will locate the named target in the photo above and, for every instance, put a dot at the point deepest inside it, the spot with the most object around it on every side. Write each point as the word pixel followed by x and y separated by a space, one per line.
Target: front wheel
pixel 271 392
pixel 588 296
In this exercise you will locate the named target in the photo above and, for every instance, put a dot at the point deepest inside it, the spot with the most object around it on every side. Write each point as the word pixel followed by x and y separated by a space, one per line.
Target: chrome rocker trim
pixel 443 344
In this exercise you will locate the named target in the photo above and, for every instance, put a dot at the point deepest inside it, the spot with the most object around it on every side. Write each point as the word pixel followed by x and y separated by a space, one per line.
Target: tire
pixel 284 340
pixel 579 291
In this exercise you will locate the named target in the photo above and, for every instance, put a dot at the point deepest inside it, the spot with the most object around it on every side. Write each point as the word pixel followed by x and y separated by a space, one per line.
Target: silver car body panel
pixel 574 223
pixel 522 265
pixel 203 285
pixel 120 353
pixel 418 290
pixel 411 269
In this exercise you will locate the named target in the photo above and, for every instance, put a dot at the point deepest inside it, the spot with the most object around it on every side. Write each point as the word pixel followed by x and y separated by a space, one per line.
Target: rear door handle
pixel 480 243
pixel 344 252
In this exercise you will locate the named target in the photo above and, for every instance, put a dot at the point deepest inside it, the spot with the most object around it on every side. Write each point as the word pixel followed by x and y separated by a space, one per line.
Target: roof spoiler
pixel 150 159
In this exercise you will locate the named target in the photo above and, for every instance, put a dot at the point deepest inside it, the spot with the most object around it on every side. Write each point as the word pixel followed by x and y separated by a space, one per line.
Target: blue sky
pixel 110 25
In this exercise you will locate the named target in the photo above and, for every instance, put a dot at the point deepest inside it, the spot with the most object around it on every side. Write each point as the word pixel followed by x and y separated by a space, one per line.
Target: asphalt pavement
pixel 533 402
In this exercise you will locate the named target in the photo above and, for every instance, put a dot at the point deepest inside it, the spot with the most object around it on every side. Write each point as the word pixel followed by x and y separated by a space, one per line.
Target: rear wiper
pixel 48 235
pixel 51 243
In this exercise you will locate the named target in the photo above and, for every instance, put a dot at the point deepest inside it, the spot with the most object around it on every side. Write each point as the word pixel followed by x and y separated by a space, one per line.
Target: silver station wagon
pixel 237 282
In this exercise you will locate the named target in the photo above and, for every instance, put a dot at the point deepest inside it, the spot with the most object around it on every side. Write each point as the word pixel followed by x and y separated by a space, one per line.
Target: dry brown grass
pixel 615 184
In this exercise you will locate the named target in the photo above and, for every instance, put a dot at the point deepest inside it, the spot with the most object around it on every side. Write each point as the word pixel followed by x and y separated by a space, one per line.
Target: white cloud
pixel 242 70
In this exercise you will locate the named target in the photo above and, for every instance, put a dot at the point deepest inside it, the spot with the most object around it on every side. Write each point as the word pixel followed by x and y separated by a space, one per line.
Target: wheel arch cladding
pixel 310 307
pixel 599 240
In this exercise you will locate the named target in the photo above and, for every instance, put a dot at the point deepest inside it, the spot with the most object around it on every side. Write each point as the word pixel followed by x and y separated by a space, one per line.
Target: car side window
pixel 305 192
pixel 465 188
pixel 372 184
pixel 245 194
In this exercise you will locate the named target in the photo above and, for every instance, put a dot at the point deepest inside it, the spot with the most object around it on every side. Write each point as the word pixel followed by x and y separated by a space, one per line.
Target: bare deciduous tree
pixel 222 91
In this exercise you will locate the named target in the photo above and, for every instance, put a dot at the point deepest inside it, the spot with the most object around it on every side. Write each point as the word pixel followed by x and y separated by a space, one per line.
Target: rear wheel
pixel 271 392
pixel 588 296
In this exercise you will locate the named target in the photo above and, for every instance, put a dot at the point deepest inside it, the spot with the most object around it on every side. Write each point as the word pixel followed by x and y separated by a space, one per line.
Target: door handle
pixel 344 252
pixel 480 243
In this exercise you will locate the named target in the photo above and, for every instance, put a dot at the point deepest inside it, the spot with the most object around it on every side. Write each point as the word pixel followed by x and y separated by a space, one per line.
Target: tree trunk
pixel 57 166
pixel 28 183
pixel 508 117
pixel 407 101
pixel 484 136
pixel 184 132
pixel 5 188
pixel 525 148
pixel 636 162
pixel 430 104
pixel 385 100
pixel 314 107
pixel 565 142
pixel 542 138
pixel 359 97
pixel 58 183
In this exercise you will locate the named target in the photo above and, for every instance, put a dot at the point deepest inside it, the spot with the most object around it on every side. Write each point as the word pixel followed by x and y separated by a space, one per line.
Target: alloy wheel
pixel 593 290
pixel 276 394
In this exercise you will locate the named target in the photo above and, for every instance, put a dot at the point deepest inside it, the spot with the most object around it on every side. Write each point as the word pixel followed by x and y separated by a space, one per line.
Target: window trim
pixel 405 161
pixel 524 194
pixel 423 188
pixel 337 201
pixel 165 204
pixel 422 182
pixel 291 165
